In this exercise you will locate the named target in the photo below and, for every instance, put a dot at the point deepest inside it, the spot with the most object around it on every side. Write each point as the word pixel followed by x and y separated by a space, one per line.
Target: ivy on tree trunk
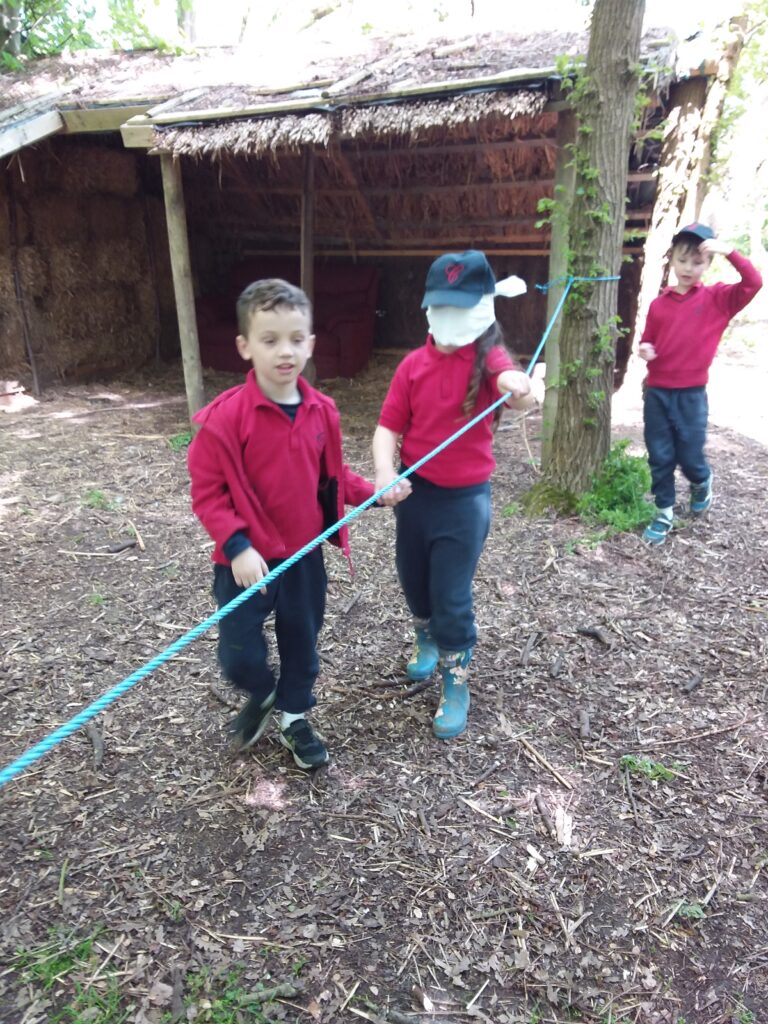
pixel 603 93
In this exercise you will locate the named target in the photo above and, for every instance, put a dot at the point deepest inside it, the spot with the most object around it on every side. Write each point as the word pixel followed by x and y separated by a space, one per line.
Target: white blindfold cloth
pixel 456 327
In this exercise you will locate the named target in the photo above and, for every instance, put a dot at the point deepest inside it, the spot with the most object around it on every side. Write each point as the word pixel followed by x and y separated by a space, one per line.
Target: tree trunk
pixel 558 268
pixel 604 98
pixel 10 27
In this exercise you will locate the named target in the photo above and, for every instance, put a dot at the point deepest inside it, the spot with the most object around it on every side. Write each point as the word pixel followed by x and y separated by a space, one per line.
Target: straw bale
pixel 69 265
pixel 33 272
pixel 95 330
pixel 109 216
pixel 157 244
pixel 5 225
pixel 7 288
pixel 13 359
pixel 116 264
pixel 23 226
pixel 89 169
pixel 57 217
pixel 145 307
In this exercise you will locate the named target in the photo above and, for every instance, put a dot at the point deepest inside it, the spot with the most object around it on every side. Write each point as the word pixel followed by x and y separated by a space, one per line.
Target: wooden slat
pixel 21 111
pixel 31 130
pixel 104 118
pixel 417 190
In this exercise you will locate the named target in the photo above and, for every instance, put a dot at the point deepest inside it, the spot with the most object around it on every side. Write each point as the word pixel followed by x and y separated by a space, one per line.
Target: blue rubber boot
pixel 451 717
pixel 423 660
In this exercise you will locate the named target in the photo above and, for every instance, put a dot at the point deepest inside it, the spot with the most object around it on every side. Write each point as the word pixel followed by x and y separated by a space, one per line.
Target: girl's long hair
pixel 488 340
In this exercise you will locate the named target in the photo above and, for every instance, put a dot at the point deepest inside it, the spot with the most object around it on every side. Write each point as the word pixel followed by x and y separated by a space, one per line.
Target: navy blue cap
pixel 700 231
pixel 459 279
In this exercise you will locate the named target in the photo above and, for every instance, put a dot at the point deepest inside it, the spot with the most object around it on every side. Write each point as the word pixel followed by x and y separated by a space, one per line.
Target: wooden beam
pixel 418 190
pixel 33 129
pixel 138 133
pixel 422 250
pixel 178 242
pixel 103 118
pixel 307 242
pixel 307 261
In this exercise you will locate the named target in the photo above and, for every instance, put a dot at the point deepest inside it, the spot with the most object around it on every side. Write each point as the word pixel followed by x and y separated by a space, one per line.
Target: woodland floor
pixel 522 873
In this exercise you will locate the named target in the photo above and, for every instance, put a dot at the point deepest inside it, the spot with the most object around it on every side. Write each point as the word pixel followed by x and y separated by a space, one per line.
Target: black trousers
pixel 297 598
pixel 675 422
pixel 440 536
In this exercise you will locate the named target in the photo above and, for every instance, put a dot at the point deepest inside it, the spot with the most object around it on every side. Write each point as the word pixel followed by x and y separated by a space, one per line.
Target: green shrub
pixel 617 496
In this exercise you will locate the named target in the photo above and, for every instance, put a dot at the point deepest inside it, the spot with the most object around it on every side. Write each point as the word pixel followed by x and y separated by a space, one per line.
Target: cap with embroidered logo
pixel 699 231
pixel 459 279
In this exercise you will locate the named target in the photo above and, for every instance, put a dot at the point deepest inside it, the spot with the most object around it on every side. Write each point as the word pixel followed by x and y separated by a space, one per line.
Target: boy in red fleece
pixel 266 465
pixel 684 327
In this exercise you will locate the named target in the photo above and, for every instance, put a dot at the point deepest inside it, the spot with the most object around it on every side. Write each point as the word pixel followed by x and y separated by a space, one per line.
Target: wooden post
pixel 565 177
pixel 307 249
pixel 178 243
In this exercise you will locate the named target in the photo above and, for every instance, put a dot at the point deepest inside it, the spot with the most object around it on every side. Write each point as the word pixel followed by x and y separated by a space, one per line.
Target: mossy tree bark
pixel 604 98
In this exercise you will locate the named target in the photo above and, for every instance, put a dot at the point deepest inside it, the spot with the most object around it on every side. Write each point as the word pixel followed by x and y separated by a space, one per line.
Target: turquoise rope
pixel 101 703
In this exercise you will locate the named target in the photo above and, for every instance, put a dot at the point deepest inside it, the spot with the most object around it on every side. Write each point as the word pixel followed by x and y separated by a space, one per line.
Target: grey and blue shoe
pixel 451 717
pixel 307 748
pixel 701 497
pixel 249 724
pixel 424 656
pixel 657 531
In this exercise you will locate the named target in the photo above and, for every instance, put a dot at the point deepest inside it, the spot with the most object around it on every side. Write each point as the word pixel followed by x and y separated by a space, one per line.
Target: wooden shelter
pixel 411 148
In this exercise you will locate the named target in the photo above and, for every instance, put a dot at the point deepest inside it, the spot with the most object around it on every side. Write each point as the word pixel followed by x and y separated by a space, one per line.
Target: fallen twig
pixel 541 808
pixel 584 730
pixel 556 667
pixel 97 740
pixel 415 688
pixel 347 607
pixel 544 762
pixel 701 735
pixel 595 633
pixel 692 683
pixel 487 773
pixel 530 643
pixel 631 795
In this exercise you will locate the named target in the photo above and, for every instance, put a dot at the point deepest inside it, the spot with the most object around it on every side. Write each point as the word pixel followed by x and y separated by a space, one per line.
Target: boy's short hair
pixel 267 294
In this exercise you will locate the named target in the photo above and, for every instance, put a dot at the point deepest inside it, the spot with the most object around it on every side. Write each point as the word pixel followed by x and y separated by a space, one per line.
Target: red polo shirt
pixel 424 402
pixel 686 329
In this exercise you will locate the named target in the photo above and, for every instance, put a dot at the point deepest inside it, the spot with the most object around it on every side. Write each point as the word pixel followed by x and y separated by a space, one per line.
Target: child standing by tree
pixel 684 327
pixel 266 465
pixel 441 529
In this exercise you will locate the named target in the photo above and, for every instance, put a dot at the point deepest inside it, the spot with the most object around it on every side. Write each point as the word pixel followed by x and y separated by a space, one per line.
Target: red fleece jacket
pixel 686 329
pixel 424 405
pixel 254 471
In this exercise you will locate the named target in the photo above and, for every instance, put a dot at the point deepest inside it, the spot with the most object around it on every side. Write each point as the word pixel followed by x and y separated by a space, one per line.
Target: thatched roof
pixel 291 132
pixel 417 142
pixel 93 90
pixel 227 76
